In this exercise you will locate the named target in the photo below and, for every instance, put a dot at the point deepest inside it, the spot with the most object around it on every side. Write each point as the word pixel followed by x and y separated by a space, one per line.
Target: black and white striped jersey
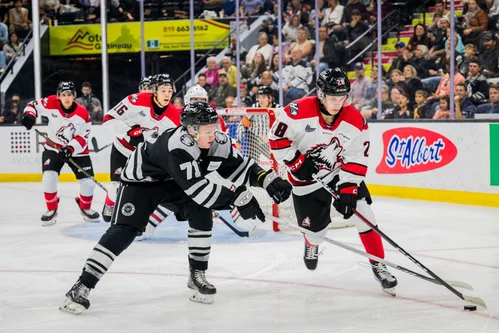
pixel 175 155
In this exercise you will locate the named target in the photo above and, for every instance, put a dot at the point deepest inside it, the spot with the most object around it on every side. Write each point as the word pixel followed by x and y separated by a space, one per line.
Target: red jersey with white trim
pixel 64 129
pixel 138 109
pixel 338 149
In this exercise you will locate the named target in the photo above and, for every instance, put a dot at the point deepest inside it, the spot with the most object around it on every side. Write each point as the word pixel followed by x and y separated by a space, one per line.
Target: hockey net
pixel 249 128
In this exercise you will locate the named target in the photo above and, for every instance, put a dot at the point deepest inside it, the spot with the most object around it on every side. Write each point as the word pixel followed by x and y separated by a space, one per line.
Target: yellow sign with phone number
pixel 160 36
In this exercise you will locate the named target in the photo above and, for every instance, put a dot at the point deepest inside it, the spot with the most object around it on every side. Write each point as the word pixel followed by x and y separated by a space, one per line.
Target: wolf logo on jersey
pixel 66 133
pixel 326 156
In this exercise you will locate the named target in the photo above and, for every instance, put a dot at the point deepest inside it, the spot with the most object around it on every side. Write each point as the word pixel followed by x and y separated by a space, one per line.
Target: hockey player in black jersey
pixel 172 168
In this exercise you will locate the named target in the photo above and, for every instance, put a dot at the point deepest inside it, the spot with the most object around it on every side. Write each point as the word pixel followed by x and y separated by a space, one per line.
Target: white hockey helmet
pixel 195 92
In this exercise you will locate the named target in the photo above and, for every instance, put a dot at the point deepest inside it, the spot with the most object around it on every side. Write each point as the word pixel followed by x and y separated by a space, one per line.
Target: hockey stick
pixel 370 256
pixel 52 143
pixel 96 145
pixel 233 227
pixel 238 230
pixel 475 300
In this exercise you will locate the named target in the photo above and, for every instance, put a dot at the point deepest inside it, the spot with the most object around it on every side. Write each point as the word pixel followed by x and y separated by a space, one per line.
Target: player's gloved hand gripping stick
pixel 475 300
pixel 70 160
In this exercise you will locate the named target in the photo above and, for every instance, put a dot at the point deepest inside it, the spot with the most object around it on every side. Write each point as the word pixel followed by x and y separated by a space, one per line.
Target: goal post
pixel 249 128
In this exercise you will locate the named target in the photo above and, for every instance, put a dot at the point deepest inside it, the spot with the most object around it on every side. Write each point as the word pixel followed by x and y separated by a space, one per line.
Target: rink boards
pixel 437 161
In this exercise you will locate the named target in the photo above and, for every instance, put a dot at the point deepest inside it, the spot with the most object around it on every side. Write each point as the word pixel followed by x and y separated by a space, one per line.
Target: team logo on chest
pixel 326 155
pixel 66 133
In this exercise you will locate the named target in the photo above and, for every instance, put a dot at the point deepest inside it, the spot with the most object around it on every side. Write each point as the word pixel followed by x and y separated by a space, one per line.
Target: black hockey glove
pixel 302 167
pixel 347 200
pixel 136 135
pixel 65 153
pixel 247 205
pixel 28 121
pixel 277 188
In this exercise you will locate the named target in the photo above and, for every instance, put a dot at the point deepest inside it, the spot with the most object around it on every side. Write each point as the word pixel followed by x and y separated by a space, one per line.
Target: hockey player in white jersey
pixel 145 84
pixel 69 128
pixel 133 120
pixel 172 169
pixel 327 136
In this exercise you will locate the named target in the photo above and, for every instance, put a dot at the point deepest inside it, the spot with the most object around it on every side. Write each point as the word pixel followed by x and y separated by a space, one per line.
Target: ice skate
pixel 89 215
pixel 311 256
pixel 202 290
pixel 49 218
pixel 76 299
pixel 385 278
pixel 107 212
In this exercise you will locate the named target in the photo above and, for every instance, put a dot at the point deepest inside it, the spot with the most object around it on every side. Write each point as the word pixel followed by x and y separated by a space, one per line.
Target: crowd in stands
pixel 416 82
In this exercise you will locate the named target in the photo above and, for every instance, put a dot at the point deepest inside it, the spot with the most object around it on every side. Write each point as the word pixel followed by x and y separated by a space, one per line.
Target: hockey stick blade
pixel 475 300
pixel 398 247
pixel 240 233
pixel 95 145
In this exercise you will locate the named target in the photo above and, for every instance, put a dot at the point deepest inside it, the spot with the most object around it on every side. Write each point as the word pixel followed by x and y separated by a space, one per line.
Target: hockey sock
pixel 51 200
pixel 313 240
pixel 373 244
pixel 116 239
pixel 85 202
pixel 159 215
pixel 199 243
pixel 109 202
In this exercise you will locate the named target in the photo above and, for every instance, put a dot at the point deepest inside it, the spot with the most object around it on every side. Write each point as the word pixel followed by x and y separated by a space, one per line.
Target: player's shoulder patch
pixel 293 109
pixel 221 147
pixel 187 140
pixel 221 138
pixel 306 107
pixel 140 99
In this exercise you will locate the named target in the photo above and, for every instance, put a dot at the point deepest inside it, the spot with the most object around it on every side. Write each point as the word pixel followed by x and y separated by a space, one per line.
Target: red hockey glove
pixel 136 135
pixel 302 167
pixel 347 200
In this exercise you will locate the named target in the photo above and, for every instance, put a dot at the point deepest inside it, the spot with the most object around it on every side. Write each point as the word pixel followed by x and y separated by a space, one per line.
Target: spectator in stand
pixel 489 55
pixel 330 50
pixel 290 29
pixel 413 82
pixel 458 43
pixel 91 103
pixel 358 90
pixel 470 53
pixel 424 67
pixel 202 82
pixel 231 51
pixel 13 47
pixel 397 80
pixel 228 8
pixel 274 68
pixel 296 77
pixel 355 29
pixel 438 38
pixel 475 22
pixel 222 90
pixel 371 111
pixel 322 12
pixel 419 37
pixel 493 106
pixel 443 111
pixel 4 33
pixel 303 43
pixel 266 80
pixel 493 12
pixel 231 71
pixel 422 111
pixel 283 48
pixel 440 12
pixel 212 71
pixel 12 114
pixel 476 84
pixel 350 7
pixel 230 102
pixel 18 19
pixel 295 7
pixel 401 109
pixel 246 101
pixel 178 102
pixel 444 87
pixel 91 11
pixel 464 106
pixel 333 15
pixel 252 73
pixel 401 61
pixel 250 7
pixel 262 47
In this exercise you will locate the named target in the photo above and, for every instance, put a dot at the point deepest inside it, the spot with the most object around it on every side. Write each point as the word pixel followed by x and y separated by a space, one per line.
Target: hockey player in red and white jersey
pixel 134 120
pixel 69 128
pixel 145 84
pixel 326 136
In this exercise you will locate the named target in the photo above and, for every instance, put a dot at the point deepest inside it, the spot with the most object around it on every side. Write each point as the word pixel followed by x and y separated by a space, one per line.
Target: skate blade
pixel 71 307
pixel 49 223
pixel 201 298
pixel 90 220
pixel 390 291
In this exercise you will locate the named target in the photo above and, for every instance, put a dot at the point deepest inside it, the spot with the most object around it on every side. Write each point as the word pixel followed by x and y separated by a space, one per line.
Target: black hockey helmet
pixel 332 82
pixel 145 82
pixel 265 90
pixel 197 114
pixel 159 80
pixel 64 86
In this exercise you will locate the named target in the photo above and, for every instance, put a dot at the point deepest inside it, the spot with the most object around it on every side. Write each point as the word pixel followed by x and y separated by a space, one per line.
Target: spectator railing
pixel 371 44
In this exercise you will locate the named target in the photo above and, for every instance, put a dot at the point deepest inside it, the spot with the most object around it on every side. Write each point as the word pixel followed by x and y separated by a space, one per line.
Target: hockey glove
pixel 28 121
pixel 347 200
pixel 65 153
pixel 302 167
pixel 277 188
pixel 247 205
pixel 136 135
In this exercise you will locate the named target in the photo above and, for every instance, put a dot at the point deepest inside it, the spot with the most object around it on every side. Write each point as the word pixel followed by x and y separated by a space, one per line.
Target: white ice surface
pixel 263 286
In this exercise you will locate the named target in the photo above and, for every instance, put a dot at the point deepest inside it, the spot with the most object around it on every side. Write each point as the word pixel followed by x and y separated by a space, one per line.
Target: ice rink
pixel 263 285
